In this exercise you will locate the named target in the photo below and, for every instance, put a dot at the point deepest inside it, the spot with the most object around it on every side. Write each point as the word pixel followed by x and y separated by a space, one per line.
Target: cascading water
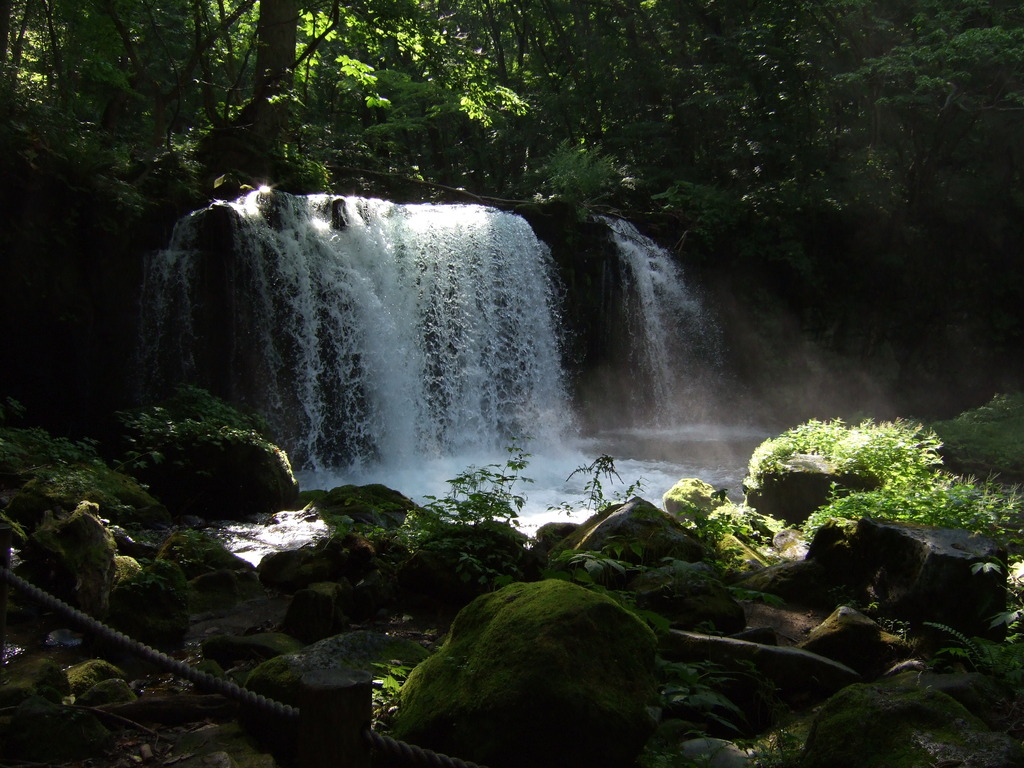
pixel 369 331
pixel 402 343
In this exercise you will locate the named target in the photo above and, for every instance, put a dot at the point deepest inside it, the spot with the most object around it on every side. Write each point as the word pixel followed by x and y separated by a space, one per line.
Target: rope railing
pixel 334 732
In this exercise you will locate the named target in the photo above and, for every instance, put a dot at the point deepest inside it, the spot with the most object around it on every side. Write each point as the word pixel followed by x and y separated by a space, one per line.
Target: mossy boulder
pixel 689 595
pixel 60 489
pixel 692 498
pixel 204 457
pixel 73 557
pixel 229 650
pixel 875 726
pixel 198 553
pixel 112 691
pixel 37 677
pixel 151 605
pixel 850 637
pixel 46 733
pixel 374 505
pixel 543 674
pixel 636 531
pixel 318 611
pixel 350 556
pixel 83 676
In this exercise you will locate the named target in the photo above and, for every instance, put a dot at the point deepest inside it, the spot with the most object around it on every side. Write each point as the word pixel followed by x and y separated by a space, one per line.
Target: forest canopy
pixel 858 161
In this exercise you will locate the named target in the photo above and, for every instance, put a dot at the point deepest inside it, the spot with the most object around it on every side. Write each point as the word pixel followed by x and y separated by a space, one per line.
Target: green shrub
pixel 989 439
pixel 888 452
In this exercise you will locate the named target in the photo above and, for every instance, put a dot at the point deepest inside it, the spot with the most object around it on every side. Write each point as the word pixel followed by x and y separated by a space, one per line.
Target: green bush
pixel 888 452
pixel 987 440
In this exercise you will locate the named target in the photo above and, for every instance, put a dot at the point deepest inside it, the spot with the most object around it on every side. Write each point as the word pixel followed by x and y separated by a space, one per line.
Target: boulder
pixel 916 573
pixel 318 611
pixel 374 505
pixel 78 552
pixel 850 637
pixel 637 532
pixel 33 678
pixel 198 553
pixel 691 498
pixel 46 733
pixel 984 697
pixel 331 559
pixel 801 487
pixel 111 691
pixel 878 726
pixel 229 650
pixel 280 677
pixel 799 678
pixel 802 582
pixel 86 674
pixel 545 674
pixel 151 606
pixel 690 596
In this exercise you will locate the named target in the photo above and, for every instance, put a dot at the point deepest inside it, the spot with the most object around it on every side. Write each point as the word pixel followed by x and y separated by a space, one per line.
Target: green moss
pixel 565 665
pixel 151 606
pixel 83 676
pixel 987 440
pixel 198 553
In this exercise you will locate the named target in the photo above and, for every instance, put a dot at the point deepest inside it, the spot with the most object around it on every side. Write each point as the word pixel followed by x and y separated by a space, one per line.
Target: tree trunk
pixel 276 31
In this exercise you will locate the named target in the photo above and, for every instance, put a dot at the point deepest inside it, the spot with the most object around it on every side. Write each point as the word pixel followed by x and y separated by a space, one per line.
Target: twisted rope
pixel 204 680
pixel 411 754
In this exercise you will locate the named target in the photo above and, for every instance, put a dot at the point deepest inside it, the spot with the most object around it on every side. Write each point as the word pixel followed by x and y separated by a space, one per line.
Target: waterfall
pixel 670 344
pixel 363 329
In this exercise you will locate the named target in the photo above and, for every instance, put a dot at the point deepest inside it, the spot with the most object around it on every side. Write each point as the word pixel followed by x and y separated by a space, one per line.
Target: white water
pixel 414 341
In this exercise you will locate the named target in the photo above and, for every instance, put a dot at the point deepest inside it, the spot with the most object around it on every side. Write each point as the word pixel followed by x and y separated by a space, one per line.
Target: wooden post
pixel 336 707
pixel 5 561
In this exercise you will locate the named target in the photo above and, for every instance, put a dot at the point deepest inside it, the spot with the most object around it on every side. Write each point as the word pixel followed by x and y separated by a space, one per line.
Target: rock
pixel 213 745
pixel 197 553
pixel 111 691
pixel 215 463
pixel 984 697
pixel 280 678
pixel 615 530
pixel 689 595
pixel 230 650
pixel 803 582
pixel 33 678
pixel 799 678
pixel 543 674
pixel 175 709
pixel 790 544
pixel 151 606
pixel 48 733
pixel 876 726
pixel 916 573
pixel 83 676
pixel 119 498
pixel 330 559
pixel 715 753
pixel 853 639
pixel 373 505
pixel 318 611
pixel 692 499
pixel 218 590
pixel 802 487
pixel 80 551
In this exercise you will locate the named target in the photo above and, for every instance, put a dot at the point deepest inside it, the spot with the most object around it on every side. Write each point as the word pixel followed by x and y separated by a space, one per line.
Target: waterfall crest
pixel 361 328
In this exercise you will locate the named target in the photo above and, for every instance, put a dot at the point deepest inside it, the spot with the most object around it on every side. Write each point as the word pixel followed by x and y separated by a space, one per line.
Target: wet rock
pixel 374 505
pixel 48 733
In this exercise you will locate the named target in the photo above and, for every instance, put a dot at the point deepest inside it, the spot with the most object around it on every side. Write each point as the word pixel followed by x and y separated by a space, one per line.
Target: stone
pixel 798 677
pixel 198 553
pixel 111 691
pixel 229 650
pixel 916 573
pixel 690 596
pixel 151 606
pixel 545 674
pixel 83 676
pixel 850 637
pixel 373 505
pixel 350 556
pixel 985 697
pixel 802 487
pixel 692 499
pixel 878 726
pixel 80 550
pixel 615 529
pixel 280 677
pixel 33 678
pixel 44 732
pixel 318 611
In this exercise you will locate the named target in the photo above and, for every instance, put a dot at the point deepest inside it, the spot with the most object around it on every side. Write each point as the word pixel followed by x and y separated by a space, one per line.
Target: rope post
pixel 5 563
pixel 336 707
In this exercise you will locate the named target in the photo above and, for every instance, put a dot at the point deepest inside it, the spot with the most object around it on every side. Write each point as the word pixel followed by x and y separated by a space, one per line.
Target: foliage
pixel 1001 660
pixel 989 438
pixel 888 452
pixel 472 527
